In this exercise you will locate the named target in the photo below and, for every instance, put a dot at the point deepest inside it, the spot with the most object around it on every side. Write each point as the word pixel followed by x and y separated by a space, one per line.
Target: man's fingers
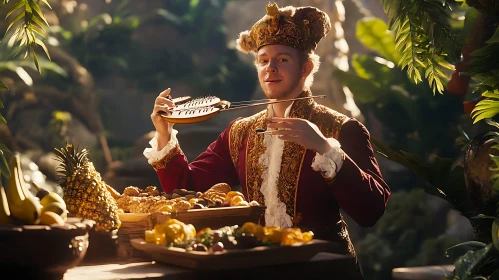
pixel 164 100
pixel 163 108
pixel 286 132
pixel 165 93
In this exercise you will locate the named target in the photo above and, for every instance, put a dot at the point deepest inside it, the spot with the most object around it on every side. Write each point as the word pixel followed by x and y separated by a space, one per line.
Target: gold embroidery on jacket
pixel 160 164
pixel 292 157
pixel 327 120
pixel 254 150
pixel 329 123
pixel 245 128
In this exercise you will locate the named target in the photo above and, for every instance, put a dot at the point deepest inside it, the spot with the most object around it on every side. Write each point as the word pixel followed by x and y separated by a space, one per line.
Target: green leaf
pixel 18 5
pixel 461 248
pixel 46 3
pixel 41 44
pixel 375 69
pixel 3 86
pixel 169 16
pixel 495 231
pixel 495 38
pixel 15 20
pixel 374 34
pixel 364 91
pixel 38 12
pixel 4 165
pixel 37 64
pixel 468 264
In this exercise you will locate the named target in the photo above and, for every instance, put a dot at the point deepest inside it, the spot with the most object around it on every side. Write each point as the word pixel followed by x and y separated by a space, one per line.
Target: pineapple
pixel 85 193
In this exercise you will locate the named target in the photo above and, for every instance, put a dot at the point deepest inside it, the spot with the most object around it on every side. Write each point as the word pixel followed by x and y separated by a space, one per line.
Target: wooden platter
pixel 133 225
pixel 231 259
pixel 199 218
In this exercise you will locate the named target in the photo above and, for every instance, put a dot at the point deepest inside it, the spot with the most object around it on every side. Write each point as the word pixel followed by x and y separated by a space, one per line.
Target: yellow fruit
pixel 52 197
pixel 150 236
pixel 236 199
pixel 190 232
pixel 291 236
pixel 22 204
pixel 273 234
pixel 51 218
pixel 307 236
pixel 231 194
pixel 249 227
pixel 193 201
pixel 55 207
pixel 165 208
pixel 85 193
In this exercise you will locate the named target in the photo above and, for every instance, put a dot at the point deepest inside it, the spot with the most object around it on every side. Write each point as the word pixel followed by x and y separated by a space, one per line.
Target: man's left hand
pixel 300 131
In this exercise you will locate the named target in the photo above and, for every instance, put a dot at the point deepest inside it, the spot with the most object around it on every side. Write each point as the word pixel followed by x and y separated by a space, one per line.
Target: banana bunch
pixel 19 206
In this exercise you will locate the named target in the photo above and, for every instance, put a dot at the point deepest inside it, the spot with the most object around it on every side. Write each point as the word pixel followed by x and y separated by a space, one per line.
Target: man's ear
pixel 307 68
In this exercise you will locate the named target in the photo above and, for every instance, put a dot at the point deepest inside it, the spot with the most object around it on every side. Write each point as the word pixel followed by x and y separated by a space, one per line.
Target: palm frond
pixel 424 38
pixel 487 107
pixel 30 28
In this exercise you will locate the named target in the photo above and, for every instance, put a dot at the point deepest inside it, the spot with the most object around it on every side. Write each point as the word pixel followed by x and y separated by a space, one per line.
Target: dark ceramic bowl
pixel 43 252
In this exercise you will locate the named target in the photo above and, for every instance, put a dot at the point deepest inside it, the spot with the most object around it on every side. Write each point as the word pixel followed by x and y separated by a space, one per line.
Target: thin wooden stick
pixel 271 102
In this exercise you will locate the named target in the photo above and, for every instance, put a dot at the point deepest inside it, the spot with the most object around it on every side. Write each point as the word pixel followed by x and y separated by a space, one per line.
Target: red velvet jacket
pixel 312 199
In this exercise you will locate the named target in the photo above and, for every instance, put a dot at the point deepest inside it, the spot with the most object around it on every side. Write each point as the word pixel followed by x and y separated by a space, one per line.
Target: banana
pixel 5 217
pixel 51 218
pixel 40 192
pixel 23 205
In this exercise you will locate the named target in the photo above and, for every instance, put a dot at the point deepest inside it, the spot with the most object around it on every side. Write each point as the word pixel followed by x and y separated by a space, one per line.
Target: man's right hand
pixel 163 128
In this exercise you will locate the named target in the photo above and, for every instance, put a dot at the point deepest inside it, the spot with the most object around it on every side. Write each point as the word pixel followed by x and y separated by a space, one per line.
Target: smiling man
pixel 313 162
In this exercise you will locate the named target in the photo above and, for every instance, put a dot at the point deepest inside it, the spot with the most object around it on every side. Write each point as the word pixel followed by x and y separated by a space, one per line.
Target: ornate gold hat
pixel 298 27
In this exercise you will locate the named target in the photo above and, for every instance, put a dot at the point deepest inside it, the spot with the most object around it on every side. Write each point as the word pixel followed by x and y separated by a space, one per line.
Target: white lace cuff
pixel 153 155
pixel 330 162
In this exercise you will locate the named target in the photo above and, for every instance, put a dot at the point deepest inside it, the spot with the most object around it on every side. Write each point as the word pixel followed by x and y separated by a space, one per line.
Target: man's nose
pixel 271 67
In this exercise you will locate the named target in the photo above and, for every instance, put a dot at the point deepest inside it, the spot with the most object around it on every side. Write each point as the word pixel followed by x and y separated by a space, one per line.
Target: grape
pixel 218 247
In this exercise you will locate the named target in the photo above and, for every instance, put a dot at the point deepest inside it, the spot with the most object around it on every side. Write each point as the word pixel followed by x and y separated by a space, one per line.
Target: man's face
pixel 279 71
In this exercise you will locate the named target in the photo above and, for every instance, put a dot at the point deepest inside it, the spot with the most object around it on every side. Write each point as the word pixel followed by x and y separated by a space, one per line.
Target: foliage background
pixel 109 60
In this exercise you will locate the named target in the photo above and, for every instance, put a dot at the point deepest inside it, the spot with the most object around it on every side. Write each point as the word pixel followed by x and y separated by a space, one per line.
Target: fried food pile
pixel 150 199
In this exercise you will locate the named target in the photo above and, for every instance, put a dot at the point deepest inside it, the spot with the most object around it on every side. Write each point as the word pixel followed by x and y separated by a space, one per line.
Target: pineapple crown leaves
pixel 424 38
pixel 71 158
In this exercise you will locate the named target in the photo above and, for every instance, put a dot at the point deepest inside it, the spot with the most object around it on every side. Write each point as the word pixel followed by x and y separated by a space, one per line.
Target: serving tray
pixel 231 259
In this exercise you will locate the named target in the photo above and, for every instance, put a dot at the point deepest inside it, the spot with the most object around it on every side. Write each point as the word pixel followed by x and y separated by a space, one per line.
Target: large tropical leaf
pixel 441 179
pixel 486 108
pixel 374 34
pixel 477 264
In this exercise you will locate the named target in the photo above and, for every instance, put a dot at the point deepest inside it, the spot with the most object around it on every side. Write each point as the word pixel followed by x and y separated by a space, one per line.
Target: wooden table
pixel 437 272
pixel 321 266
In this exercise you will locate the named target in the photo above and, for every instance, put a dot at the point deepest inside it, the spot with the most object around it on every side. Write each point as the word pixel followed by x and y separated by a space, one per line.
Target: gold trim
pixel 255 149
pixel 161 164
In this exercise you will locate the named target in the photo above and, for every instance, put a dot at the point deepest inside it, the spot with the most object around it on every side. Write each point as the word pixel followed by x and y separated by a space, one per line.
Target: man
pixel 315 160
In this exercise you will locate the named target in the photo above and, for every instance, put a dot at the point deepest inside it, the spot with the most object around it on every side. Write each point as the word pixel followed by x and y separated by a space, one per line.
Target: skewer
pixel 201 109
pixel 272 102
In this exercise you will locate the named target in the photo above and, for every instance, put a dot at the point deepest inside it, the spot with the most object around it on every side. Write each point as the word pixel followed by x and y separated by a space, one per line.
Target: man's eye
pixel 263 61
pixel 283 60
